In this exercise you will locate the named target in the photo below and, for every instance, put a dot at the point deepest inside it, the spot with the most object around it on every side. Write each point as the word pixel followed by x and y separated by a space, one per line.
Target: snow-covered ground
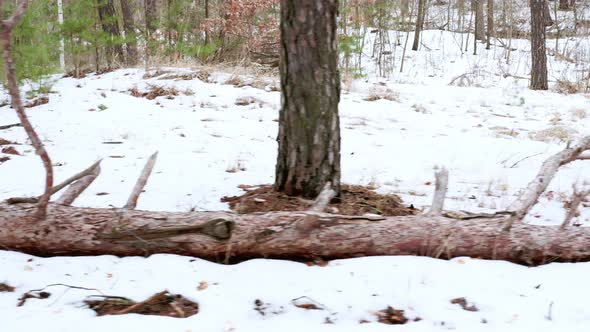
pixel 492 138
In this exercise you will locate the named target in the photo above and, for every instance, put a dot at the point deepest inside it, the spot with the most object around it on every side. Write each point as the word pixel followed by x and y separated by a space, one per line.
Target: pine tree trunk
pixel 419 24
pixel 108 20
pixel 227 236
pixel 127 9
pixel 309 128
pixel 538 52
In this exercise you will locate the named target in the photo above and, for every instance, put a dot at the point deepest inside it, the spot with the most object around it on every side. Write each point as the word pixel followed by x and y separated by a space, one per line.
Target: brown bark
pixel 108 20
pixel 127 9
pixel 224 235
pixel 490 27
pixel 479 25
pixel 419 24
pixel 151 17
pixel 309 128
pixel 566 4
pixel 538 51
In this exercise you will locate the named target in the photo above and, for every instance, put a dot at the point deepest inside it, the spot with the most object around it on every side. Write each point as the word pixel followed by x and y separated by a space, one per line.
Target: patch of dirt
pixel 160 304
pixel 391 316
pixel 464 304
pixel 354 200
pixel 4 159
pixel 154 91
pixel 6 288
pixel 37 102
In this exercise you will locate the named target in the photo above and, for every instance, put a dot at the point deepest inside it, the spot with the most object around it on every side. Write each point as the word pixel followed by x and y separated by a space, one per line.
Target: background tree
pixel 112 34
pixel 477 6
pixel 538 50
pixel 127 9
pixel 490 30
pixel 419 23
pixel 309 128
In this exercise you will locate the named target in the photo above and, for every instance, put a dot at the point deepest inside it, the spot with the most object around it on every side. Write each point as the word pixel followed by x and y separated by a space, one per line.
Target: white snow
pixel 489 137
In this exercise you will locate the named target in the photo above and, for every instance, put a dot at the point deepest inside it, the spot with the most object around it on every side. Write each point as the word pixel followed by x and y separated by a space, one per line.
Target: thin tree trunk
pixel 127 8
pixel 62 50
pixel 490 24
pixel 479 25
pixel 538 49
pixel 309 129
pixel 419 24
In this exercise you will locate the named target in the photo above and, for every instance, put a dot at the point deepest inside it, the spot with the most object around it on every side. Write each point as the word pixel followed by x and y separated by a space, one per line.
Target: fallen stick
pixel 73 191
pixel 141 181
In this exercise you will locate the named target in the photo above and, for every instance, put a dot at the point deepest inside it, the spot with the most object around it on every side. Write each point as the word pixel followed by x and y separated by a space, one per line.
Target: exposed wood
pixel 323 199
pixel 73 191
pixel 529 197
pixel 440 192
pixel 6 27
pixel 86 231
pixel 141 181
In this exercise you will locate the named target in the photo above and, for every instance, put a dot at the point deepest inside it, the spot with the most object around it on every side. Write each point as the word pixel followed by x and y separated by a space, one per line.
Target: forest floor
pixel 216 134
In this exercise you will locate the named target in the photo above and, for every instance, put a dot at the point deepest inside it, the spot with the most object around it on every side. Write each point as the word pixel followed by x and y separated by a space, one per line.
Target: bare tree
pixel 538 49
pixel 490 26
pixel 419 24
pixel 309 128
pixel 477 6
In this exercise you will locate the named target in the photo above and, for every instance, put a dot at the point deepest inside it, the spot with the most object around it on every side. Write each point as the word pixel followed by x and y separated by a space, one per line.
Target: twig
pixel 151 299
pixel 88 171
pixel 10 126
pixel 6 40
pixel 529 197
pixel 525 158
pixel 573 205
pixel 43 295
pixel 440 192
pixel 321 202
pixel 73 191
pixel 141 181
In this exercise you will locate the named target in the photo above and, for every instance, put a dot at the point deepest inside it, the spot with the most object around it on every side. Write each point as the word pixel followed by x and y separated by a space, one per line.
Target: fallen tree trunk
pixel 225 236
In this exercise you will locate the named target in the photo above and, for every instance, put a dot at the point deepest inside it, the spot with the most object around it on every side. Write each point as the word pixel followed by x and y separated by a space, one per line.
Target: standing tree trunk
pixel 538 52
pixel 490 23
pixel 108 20
pixel 151 18
pixel 565 4
pixel 479 26
pixel 127 9
pixel 62 47
pixel 309 128
pixel 547 11
pixel 419 24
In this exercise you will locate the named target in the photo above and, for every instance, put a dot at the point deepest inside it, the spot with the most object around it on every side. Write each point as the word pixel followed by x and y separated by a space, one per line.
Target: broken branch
pixel 73 191
pixel 321 202
pixel 529 197
pixel 440 192
pixel 141 181
pixel 572 211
